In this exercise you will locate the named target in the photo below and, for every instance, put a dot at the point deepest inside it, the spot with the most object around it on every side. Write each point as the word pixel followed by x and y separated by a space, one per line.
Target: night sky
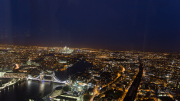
pixel 144 25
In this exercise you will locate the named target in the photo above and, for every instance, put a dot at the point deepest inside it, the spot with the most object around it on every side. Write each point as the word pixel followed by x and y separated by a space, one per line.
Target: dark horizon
pixel 113 25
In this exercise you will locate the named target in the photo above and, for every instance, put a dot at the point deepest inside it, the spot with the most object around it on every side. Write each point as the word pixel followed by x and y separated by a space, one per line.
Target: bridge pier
pixel 41 77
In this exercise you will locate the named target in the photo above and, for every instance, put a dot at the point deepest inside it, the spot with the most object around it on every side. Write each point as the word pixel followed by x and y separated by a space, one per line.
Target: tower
pixel 41 76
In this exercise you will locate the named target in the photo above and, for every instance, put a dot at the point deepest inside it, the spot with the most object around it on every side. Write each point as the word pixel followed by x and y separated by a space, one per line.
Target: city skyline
pixel 54 47
pixel 89 50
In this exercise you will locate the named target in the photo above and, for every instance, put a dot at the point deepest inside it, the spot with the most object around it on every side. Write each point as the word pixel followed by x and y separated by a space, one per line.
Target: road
pixel 131 94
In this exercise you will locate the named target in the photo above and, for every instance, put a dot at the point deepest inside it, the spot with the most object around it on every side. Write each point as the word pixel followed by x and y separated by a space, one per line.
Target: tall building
pixel 66 50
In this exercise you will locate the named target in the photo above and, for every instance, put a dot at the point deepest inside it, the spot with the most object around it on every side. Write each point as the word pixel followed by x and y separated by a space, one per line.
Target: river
pixel 22 91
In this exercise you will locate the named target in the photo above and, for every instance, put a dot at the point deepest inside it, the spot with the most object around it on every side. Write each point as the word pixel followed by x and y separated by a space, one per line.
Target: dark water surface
pixel 29 89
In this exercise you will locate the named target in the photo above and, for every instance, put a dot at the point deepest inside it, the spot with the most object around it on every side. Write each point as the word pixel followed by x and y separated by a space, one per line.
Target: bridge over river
pixel 22 76
pixel 35 87
pixel 42 75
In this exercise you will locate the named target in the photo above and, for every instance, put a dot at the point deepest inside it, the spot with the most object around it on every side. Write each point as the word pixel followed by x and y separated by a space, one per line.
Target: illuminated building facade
pixel 66 50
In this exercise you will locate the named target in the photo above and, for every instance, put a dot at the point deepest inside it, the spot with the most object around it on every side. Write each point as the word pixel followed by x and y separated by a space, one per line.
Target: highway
pixel 131 94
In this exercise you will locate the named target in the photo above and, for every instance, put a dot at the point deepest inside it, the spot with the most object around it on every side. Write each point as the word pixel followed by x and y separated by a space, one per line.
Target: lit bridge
pixel 29 77
pixel 41 78
pixel 13 81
